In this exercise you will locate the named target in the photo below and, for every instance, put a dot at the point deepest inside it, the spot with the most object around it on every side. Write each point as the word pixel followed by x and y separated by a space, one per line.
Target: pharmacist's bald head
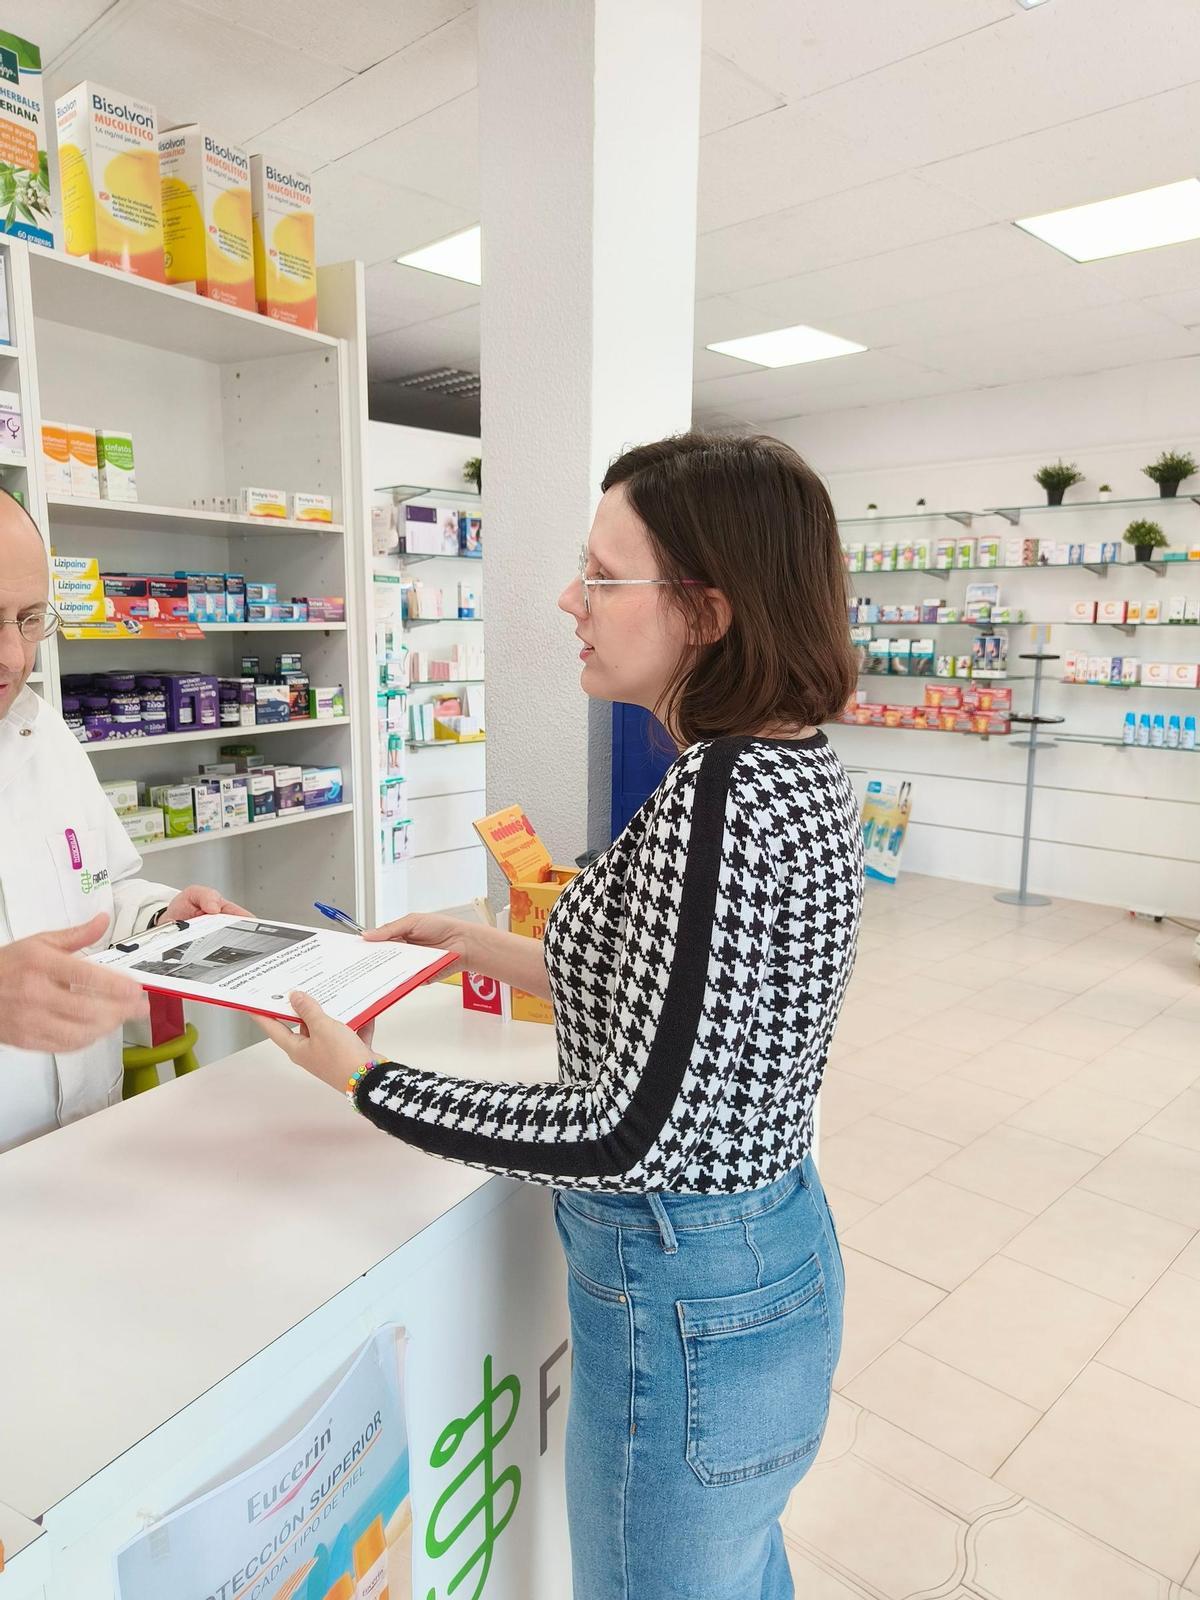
pixel 24 585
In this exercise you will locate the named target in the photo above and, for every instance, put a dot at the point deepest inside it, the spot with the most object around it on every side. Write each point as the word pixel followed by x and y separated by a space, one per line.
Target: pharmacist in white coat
pixel 68 881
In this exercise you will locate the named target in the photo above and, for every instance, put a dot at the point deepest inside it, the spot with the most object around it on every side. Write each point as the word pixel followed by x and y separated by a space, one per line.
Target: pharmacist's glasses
pixel 34 626
pixel 588 584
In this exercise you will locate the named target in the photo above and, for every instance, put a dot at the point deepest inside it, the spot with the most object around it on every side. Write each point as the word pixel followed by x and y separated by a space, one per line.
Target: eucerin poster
pixel 326 1516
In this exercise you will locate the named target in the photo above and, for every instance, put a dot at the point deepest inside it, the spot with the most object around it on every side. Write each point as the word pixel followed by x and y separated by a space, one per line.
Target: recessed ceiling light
pixel 459 256
pixel 1169 214
pixel 787 347
pixel 1029 4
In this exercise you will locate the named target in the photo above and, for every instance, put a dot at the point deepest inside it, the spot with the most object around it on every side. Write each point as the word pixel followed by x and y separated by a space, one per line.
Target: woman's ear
pixel 718 618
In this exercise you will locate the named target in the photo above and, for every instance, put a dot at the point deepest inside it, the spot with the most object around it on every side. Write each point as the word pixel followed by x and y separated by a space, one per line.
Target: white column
pixel 589 140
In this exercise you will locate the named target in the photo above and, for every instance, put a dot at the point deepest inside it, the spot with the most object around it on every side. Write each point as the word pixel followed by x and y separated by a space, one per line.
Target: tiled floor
pixel 1011 1144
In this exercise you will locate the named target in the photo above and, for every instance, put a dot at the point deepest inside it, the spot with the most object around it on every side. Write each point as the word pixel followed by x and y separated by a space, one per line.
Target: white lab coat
pixel 64 856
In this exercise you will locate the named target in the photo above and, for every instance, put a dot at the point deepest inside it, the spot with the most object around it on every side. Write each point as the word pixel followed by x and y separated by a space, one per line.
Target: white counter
pixel 151 1251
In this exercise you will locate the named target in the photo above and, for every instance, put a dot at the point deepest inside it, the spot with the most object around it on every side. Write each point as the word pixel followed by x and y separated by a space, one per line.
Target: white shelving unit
pixel 216 398
pixel 438 788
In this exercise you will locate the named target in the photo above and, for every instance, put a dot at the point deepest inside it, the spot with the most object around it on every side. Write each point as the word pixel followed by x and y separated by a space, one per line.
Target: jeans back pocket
pixel 759 1376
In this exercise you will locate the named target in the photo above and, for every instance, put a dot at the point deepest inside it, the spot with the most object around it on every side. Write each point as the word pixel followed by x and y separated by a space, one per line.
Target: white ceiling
pixel 860 169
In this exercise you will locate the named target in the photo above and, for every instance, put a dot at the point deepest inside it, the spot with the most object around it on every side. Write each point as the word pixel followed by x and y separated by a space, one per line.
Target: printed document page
pixel 253 965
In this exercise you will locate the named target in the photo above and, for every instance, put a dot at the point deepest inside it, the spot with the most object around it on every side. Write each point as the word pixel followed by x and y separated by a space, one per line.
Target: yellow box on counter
pixel 535 885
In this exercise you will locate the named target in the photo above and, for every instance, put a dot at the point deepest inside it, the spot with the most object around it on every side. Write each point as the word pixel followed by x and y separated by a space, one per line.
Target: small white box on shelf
pixel 1156 674
pixel 85 471
pixel 263 503
pixel 1185 675
pixel 12 429
pixel 122 795
pixel 144 825
pixel 1111 611
pixel 1081 611
pixel 56 457
pixel 1177 608
pixel 1093 553
pixel 114 464
pixel 312 508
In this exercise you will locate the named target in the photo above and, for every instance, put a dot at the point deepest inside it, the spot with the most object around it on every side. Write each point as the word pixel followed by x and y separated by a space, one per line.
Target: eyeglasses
pixel 34 626
pixel 588 584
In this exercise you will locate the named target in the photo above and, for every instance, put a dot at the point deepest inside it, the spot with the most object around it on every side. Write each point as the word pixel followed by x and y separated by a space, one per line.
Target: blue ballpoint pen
pixel 335 915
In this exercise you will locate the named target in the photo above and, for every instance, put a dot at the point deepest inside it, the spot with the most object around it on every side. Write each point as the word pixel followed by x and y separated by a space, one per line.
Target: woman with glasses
pixel 697 969
pixel 68 880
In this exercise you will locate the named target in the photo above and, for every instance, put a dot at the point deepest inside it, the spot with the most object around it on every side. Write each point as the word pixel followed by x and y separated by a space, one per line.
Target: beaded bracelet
pixel 356 1077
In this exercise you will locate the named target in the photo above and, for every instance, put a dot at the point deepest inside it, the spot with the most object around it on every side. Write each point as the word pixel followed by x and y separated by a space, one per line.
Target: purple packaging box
pixel 192 701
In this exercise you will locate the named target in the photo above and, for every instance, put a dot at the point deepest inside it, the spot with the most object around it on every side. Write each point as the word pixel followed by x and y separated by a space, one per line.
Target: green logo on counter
pixel 477 1477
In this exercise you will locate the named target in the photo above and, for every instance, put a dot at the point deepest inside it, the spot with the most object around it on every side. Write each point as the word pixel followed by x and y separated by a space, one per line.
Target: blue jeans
pixel 706 1329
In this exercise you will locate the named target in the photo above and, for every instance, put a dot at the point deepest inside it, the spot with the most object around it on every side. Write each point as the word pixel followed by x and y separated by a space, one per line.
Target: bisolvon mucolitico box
pixel 108 169
pixel 206 215
pixel 24 174
pixel 285 252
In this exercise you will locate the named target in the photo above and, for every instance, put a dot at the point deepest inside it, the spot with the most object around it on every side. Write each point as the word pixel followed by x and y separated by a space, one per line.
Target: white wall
pixel 446 788
pixel 1111 826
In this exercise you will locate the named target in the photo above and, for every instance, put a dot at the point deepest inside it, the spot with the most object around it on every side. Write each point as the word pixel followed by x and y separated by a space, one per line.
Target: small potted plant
pixel 1169 471
pixel 872 509
pixel 1057 478
pixel 1146 538
pixel 1104 491
pixel 473 472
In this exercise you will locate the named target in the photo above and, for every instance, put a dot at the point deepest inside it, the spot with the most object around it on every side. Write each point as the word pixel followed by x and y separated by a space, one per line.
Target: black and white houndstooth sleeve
pixel 697 970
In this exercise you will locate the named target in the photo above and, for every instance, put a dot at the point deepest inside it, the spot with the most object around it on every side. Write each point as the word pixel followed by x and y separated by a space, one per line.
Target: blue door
pixel 639 761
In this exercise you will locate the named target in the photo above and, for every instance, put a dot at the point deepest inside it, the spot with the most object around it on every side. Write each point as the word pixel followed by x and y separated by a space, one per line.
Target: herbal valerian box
pixel 285 257
pixel 207 233
pixel 108 172
pixel 24 173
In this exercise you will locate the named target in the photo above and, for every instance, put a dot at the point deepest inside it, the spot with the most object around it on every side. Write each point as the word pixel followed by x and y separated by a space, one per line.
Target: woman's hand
pixel 328 1049
pixel 436 931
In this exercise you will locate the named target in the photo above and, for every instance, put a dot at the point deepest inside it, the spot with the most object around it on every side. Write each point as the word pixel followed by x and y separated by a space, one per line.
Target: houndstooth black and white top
pixel 697 968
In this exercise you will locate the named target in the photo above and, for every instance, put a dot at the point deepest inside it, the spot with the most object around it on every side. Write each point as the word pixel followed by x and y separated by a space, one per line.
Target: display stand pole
pixel 1034 720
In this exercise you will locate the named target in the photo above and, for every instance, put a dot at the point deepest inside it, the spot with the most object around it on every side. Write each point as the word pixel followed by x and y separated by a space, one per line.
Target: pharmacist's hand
pixel 434 930
pixel 198 901
pixel 53 1000
pixel 328 1049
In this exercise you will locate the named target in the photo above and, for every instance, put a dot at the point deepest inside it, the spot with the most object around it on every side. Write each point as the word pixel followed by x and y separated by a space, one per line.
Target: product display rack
pixel 1033 720
pixel 216 399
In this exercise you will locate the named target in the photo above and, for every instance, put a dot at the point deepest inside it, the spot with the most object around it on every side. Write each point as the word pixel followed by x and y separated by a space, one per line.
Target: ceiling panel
pixel 1045 352
pixel 437 68
pixel 354 36
pixel 399 296
pixel 52 27
pixel 1183 308
pixel 1172 269
pixel 1005 81
pixel 802 46
pixel 968 311
pixel 1112 153
pixel 452 341
pixel 729 95
pixel 232 80
pixel 437 154
pixel 963 261
pixel 359 218
pixel 781 159
pixel 839 228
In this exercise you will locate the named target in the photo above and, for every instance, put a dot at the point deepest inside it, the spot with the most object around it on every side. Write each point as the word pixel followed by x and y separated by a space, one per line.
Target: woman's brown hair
pixel 748 517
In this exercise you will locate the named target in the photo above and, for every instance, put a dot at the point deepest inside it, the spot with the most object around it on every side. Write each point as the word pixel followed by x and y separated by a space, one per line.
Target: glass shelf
pixel 1100 568
pixel 424 622
pixel 1033 622
pixel 939 677
pixel 413 558
pixel 962 517
pixel 1119 744
pixel 401 492
pixel 942 733
pixel 1014 514
pixel 444 744
pixel 1152 688
pixel 441 683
